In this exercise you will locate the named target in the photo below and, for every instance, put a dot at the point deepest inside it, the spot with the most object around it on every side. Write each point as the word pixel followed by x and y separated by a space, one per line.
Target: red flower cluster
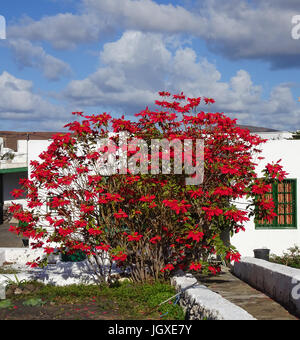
pixel 276 171
pixel 134 237
pixel 179 207
pixel 155 239
pixel 196 267
pixel 119 257
pixel 120 214
pixel 212 211
pixel 195 235
pixel 169 267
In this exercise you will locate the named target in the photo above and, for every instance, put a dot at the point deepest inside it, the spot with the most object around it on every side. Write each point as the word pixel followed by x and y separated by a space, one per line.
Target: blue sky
pixel 115 55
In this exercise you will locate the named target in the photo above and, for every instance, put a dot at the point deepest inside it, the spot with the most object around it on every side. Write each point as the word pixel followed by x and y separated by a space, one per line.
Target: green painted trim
pixel 13 170
pixel 264 227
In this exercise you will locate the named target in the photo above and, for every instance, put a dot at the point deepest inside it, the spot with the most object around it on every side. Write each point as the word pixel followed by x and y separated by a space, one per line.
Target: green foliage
pixel 16 282
pixel 5 304
pixel 76 257
pixel 133 301
pixel 296 135
pixel 290 258
pixel 147 296
pixel 32 302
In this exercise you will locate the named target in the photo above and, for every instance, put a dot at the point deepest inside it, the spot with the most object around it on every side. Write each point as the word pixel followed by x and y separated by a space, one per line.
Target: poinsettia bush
pixel 139 215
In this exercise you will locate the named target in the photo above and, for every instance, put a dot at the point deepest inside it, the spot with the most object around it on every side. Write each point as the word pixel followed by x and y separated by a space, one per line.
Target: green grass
pixel 132 301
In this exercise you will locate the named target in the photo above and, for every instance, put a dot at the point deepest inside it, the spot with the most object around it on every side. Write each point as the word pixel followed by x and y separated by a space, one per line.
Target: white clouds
pixel 138 65
pixel 196 76
pixel 128 79
pixel 134 70
pixel 15 94
pixel 99 19
pixel 28 55
pixel 238 29
pixel 150 56
pixel 20 104
pixel 63 31
pixel 135 48
pixel 146 15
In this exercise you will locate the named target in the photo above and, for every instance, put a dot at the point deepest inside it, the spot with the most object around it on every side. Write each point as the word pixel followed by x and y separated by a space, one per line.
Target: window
pixel 285 200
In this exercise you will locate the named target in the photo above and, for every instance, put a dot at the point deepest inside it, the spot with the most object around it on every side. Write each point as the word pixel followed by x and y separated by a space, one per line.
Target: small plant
pixel 32 302
pixel 17 282
pixel 8 156
pixel 5 304
pixel 289 258
pixel 296 135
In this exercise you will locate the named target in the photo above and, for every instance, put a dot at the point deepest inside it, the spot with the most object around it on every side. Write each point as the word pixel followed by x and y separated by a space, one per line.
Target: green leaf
pixel 34 302
pixel 5 304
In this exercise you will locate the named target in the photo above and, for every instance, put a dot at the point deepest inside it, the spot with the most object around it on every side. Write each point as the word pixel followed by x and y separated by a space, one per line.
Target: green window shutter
pixel 285 200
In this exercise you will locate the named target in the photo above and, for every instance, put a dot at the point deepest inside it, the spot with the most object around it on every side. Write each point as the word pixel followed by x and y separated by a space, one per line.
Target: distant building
pixel 14 163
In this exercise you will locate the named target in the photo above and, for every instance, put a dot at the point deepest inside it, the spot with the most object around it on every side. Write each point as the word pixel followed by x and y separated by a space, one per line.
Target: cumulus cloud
pixel 138 65
pixel 147 15
pixel 134 69
pixel 63 31
pixel 19 103
pixel 238 29
pixel 28 55
pixel 150 56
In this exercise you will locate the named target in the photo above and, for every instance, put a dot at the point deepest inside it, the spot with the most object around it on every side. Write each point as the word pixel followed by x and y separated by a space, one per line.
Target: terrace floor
pixel 259 305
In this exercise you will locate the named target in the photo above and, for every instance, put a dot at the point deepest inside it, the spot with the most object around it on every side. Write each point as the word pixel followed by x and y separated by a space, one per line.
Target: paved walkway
pixel 8 239
pixel 240 293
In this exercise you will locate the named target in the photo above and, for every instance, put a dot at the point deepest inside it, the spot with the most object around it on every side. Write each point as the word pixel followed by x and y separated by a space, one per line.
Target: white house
pixel 13 166
pixel 14 147
pixel 284 232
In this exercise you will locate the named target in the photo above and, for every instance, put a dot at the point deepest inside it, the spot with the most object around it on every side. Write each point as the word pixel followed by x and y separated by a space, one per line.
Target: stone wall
pixel 280 282
pixel 200 303
pixel 2 257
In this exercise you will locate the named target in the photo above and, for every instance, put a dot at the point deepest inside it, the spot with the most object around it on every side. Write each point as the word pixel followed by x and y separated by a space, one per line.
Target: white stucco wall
pixel 35 148
pixel 279 240
pixel 22 146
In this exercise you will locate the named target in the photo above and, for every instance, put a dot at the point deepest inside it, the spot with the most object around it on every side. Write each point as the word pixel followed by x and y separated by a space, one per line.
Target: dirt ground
pixel 26 302
pixel 92 309
pixel 58 312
